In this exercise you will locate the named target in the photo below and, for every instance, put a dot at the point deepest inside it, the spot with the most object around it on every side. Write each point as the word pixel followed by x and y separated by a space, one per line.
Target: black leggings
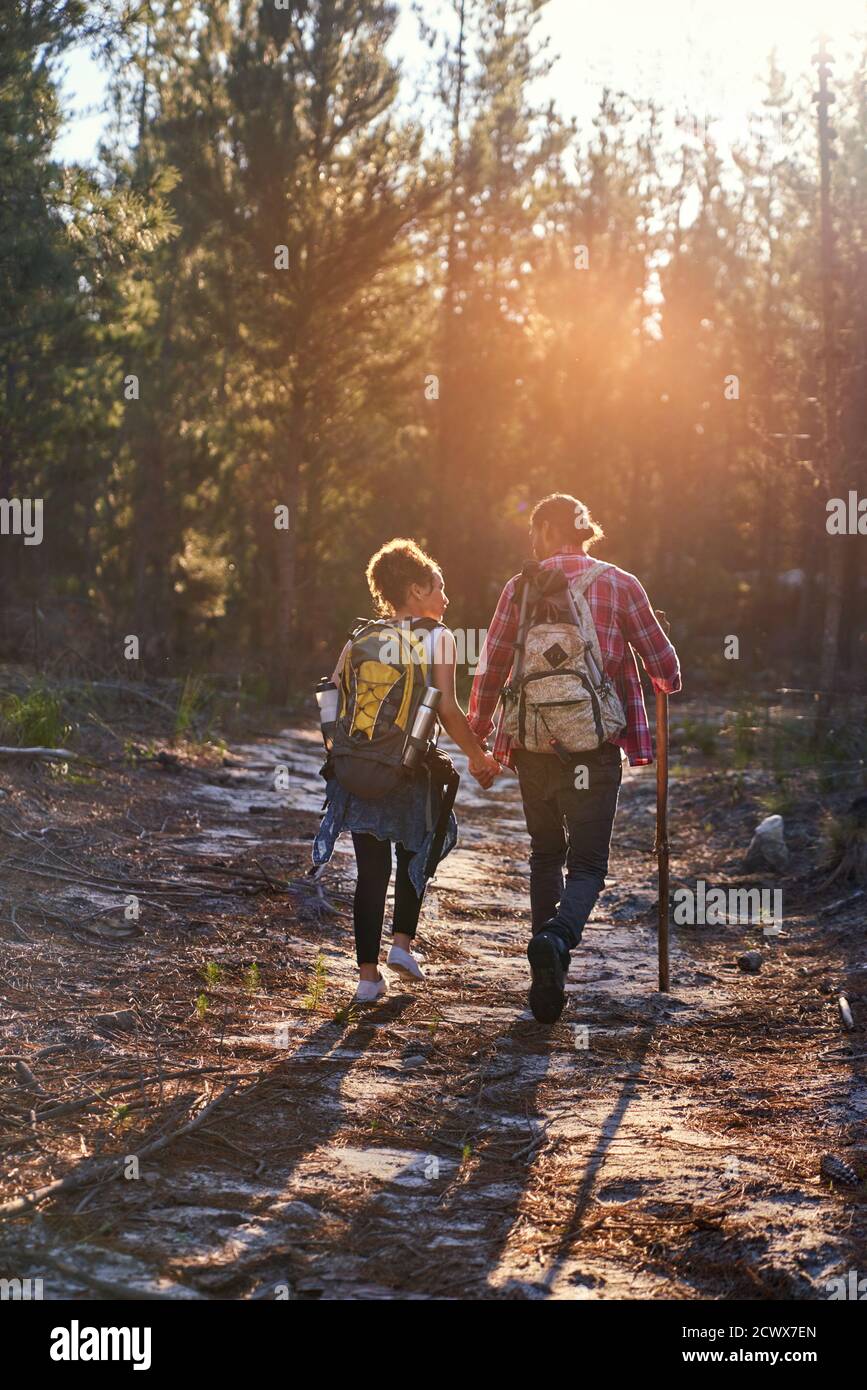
pixel 373 857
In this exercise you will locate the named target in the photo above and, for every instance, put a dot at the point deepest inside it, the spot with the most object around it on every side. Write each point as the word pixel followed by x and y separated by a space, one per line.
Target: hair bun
pixel 569 519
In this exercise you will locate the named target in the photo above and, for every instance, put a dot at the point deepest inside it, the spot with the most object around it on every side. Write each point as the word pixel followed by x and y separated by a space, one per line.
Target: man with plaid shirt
pixel 570 824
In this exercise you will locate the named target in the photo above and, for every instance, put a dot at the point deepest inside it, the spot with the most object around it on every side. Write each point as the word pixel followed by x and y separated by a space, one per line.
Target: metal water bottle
pixel 419 735
pixel 327 697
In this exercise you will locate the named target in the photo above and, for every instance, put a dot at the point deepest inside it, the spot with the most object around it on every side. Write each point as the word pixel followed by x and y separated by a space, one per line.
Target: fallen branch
pixel 62 755
pixel 43 1052
pixel 270 881
pixel 315 893
pixel 102 884
pixel 841 902
pixel 70 1107
pixel 27 1080
pixel 113 1168
pixel 112 1286
pixel 254 880
pixel 533 1143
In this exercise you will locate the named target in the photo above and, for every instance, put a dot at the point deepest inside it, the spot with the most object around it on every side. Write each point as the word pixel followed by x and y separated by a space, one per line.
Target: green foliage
pixel 844 838
pixel 695 733
pixel 780 802
pixel 34 720
pixel 840 831
pixel 318 981
pixel 745 730
pixel 71 244
pixel 194 699
pixel 347 1013
pixel 283 259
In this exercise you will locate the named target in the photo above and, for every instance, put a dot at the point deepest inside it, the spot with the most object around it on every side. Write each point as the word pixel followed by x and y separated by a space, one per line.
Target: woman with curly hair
pixel 407 588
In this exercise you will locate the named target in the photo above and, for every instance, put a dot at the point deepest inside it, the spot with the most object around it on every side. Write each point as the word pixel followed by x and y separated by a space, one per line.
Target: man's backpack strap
pixel 577 588
pixel 582 581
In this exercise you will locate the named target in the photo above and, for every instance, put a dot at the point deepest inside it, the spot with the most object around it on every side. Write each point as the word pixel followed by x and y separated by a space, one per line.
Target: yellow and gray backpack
pixel 559 698
pixel 384 675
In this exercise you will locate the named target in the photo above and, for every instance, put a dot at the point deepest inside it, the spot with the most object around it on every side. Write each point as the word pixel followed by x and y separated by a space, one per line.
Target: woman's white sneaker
pixel 405 963
pixel 370 990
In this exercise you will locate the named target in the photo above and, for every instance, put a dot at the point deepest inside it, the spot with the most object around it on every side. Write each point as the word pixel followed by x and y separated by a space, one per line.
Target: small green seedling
pixel 316 990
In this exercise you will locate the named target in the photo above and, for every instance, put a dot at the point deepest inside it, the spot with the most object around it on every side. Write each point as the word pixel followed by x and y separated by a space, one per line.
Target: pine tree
pixel 313 188
pixel 597 417
pixel 505 178
pixel 67 242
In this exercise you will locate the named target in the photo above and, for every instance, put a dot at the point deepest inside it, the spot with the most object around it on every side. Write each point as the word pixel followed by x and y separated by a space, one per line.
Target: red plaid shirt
pixel 625 624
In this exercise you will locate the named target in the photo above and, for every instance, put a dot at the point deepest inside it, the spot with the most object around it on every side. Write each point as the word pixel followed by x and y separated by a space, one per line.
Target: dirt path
pixel 444 1144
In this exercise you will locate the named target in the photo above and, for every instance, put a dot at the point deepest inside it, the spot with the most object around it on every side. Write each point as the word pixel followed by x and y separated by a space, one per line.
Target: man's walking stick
pixel 662 822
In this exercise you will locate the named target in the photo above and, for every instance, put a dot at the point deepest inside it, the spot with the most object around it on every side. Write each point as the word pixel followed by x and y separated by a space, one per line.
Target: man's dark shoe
pixel 547 993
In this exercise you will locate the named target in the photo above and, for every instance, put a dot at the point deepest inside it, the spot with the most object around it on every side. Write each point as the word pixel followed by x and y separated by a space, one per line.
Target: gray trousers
pixel 570 828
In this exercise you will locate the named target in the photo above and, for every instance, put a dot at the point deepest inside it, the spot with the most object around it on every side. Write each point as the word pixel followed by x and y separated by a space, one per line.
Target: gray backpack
pixel 559 699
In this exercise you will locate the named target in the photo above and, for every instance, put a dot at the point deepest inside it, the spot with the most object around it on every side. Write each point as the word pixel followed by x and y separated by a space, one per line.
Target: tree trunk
pixel 284 635
pixel 444 501
pixel 152 563
pixel 6 488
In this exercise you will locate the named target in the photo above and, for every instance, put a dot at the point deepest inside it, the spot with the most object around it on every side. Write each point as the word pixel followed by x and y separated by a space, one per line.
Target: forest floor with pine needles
pixel 191 1109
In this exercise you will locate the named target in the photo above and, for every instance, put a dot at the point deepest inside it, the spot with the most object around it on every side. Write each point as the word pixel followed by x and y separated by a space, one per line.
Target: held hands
pixel 485 769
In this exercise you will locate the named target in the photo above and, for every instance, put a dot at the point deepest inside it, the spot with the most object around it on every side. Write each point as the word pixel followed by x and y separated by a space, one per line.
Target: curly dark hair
pixel 568 518
pixel 394 567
